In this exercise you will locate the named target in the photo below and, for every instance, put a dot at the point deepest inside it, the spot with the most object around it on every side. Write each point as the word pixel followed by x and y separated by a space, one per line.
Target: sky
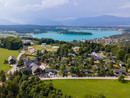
pixel 25 10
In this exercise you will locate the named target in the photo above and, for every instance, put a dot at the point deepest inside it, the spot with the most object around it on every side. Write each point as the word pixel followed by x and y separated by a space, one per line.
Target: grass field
pixel 4 54
pixel 46 47
pixel 79 88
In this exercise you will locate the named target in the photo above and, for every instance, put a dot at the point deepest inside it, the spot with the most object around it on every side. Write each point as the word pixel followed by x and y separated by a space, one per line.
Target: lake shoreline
pixel 70 37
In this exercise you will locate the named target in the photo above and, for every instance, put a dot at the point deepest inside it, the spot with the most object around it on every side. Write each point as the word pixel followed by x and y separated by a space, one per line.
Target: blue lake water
pixel 71 37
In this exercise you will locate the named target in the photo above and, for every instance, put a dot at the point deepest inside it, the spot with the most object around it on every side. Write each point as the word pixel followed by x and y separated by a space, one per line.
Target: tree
pixel 2 76
pixel 121 78
pixel 20 63
pixel 110 72
pixel 72 70
pixel 102 72
pixel 120 54
pixel 92 60
pixel 62 70
pixel 77 71
pixel 5 61
pixel 128 62
pixel 110 65
pixel 12 43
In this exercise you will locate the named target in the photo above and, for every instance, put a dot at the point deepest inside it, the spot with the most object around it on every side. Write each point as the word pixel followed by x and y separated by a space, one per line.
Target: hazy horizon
pixel 22 11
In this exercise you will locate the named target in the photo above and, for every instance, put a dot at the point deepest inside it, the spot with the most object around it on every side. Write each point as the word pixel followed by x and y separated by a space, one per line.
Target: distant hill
pixel 105 20
pixel 43 21
pixel 7 22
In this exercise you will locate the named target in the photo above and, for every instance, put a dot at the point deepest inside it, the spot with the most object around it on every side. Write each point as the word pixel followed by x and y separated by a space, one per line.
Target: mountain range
pixel 105 20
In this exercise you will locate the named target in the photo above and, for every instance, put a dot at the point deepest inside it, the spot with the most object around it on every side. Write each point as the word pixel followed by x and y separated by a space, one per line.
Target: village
pixel 96 64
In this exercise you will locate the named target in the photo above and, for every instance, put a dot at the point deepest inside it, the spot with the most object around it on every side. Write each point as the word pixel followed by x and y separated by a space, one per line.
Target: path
pixel 15 65
pixel 56 78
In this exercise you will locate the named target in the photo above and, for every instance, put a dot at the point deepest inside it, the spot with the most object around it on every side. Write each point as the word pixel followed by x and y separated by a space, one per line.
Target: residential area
pixel 45 61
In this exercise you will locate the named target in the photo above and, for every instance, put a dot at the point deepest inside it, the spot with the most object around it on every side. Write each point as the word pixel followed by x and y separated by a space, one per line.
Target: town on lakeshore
pixel 64 48
pixel 106 58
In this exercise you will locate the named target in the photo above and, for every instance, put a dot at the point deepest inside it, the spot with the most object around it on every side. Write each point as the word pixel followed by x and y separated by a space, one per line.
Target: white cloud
pixel 75 3
pixel 127 5
pixel 23 5
pixel 53 3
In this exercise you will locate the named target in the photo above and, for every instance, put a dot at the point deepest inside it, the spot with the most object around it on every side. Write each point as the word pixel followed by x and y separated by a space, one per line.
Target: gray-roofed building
pixel 105 67
pixel 108 61
pixel 73 63
pixel 122 64
pixel 119 72
pixel 71 54
pixel 29 62
pixel 23 70
pixel 97 67
pixel 84 63
pixel 58 65
pixel 67 70
pixel 11 60
pixel 87 71
pixel 26 59
pixel 53 59
pixel 50 71
pixel 35 69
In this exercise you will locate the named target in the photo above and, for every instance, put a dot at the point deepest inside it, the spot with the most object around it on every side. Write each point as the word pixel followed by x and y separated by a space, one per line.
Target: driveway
pixel 15 65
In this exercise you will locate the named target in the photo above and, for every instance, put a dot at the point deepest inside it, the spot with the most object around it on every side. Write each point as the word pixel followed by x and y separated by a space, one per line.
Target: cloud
pixel 75 3
pixel 23 5
pixel 127 5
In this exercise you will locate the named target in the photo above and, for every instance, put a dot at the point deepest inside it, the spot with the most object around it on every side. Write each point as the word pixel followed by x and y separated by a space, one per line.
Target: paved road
pixel 55 78
pixel 15 65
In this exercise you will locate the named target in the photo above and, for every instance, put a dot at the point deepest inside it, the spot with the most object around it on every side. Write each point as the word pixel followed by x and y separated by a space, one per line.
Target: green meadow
pixel 80 88
pixel 4 54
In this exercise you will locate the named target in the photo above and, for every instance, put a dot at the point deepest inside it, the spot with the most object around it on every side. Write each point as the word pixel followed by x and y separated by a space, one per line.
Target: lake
pixel 71 37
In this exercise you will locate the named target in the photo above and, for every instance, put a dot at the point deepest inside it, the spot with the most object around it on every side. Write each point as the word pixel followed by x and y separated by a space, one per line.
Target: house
pixel 35 69
pixel 122 64
pixel 29 62
pixel 32 43
pixel 53 59
pixel 71 54
pixel 105 67
pixel 58 65
pixel 55 47
pixel 114 57
pixel 26 69
pixel 84 63
pixel 73 63
pixel 90 55
pixel 118 72
pixel 42 67
pixel 26 41
pixel 43 44
pixel 87 71
pixel 32 51
pixel 67 70
pixel 50 71
pixel 64 59
pixel 26 59
pixel 108 61
pixel 76 49
pixel 96 67
pixel 42 51
pixel 11 60
pixel 30 48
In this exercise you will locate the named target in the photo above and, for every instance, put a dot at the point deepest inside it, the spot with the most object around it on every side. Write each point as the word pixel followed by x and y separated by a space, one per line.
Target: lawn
pixel 79 88
pixel 4 54
pixel 46 47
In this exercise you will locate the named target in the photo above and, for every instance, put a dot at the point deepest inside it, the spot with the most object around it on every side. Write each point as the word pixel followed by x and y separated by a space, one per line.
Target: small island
pixel 75 32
